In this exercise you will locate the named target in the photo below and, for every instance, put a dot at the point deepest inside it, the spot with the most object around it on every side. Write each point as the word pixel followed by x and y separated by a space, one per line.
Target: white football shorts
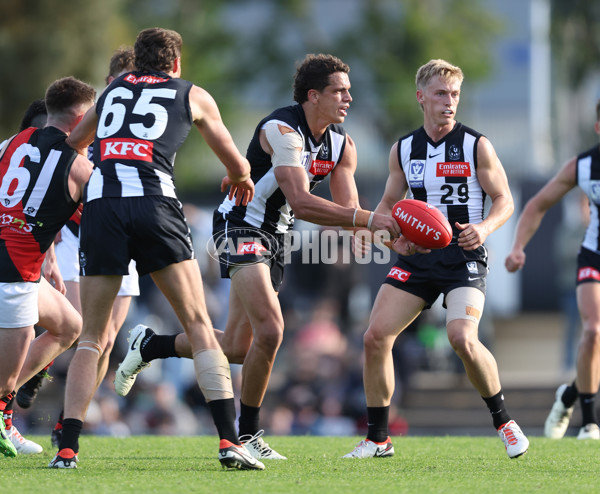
pixel 67 256
pixel 19 304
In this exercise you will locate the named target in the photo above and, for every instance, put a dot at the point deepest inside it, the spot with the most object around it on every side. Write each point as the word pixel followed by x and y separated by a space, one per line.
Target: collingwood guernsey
pixel 269 209
pixel 444 173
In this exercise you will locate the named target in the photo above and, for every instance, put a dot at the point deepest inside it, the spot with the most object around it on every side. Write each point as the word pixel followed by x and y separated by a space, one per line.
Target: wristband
pixel 370 222
pixel 354 217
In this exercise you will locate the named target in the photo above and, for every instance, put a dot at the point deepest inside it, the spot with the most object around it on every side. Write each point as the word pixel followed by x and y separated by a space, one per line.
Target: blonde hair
pixel 439 68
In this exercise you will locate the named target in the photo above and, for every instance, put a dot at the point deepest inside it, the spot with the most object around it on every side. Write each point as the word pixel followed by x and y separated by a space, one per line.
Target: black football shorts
pixel 152 230
pixel 440 271
pixel 238 243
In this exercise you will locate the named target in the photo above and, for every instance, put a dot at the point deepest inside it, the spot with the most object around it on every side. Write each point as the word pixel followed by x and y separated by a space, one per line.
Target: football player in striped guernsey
pixel 131 211
pixel 453 168
pixel 293 149
pixel 581 171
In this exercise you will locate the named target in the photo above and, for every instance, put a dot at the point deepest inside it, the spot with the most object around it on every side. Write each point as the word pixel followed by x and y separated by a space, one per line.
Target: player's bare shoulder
pixel 202 105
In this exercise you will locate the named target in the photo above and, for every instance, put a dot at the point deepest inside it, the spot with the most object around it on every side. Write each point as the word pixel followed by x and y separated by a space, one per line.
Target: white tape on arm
pixel 286 144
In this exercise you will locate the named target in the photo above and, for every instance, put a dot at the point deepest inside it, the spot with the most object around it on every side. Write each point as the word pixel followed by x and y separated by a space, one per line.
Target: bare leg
pixel 117 318
pixel 62 324
pixel 480 365
pixel 97 296
pixel 588 357
pixel 13 351
pixel 392 312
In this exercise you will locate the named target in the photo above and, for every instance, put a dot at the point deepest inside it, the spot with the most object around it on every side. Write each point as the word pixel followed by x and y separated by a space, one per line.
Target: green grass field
pixel 421 464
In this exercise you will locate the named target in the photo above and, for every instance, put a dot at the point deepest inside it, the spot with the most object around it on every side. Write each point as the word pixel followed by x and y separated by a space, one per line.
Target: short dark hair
pixel 36 109
pixel 598 111
pixel 156 49
pixel 313 73
pixel 63 94
pixel 123 60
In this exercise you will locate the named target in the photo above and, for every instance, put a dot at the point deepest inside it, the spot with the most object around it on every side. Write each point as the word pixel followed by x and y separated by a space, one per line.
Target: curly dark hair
pixel 156 49
pixel 313 73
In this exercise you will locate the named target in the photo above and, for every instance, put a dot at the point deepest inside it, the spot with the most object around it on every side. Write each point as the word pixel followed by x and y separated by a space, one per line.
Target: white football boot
pixel 514 440
pixel 370 449
pixel 132 364
pixel 557 421
pixel 22 445
pixel 258 448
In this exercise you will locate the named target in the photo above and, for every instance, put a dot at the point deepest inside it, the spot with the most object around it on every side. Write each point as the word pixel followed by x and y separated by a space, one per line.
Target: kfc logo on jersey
pixel 588 273
pixel 251 248
pixel 321 167
pixel 398 274
pixel 453 169
pixel 126 149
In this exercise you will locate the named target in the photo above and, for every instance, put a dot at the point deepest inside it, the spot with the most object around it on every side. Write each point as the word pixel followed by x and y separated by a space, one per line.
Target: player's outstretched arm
pixel 535 209
pixel 207 119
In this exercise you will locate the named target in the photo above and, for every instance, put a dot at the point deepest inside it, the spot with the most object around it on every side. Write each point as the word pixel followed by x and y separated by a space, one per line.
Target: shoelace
pixel 258 442
pixel 16 434
pixel 509 436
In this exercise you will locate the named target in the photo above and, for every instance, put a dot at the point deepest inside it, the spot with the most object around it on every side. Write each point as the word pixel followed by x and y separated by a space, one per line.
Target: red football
pixel 422 223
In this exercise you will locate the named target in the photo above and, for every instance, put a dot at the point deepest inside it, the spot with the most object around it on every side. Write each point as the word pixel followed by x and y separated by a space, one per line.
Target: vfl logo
pixel 398 274
pixel 132 149
pixel 472 267
pixel 454 152
pixel 416 173
pixel 257 244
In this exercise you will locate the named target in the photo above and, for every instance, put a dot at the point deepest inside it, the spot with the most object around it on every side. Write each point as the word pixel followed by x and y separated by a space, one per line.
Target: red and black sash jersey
pixel 34 200
pixel 143 118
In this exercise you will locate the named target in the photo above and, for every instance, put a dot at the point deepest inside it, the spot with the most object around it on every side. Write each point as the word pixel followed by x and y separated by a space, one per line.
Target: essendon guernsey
pixel 34 200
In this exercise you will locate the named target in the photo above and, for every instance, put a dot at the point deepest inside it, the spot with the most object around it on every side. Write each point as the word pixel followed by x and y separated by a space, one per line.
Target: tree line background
pixel 244 52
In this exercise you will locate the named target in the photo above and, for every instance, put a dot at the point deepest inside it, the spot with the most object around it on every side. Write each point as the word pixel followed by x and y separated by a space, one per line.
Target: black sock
pixel 496 405
pixel 158 346
pixel 569 396
pixel 223 414
pixel 70 435
pixel 377 423
pixel 248 419
pixel 588 411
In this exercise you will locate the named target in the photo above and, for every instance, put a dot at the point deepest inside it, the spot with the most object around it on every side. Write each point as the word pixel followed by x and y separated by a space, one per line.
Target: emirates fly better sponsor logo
pixel 453 169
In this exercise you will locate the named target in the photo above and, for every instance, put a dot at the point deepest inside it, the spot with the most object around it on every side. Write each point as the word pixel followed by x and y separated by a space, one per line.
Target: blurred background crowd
pixel 531 85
